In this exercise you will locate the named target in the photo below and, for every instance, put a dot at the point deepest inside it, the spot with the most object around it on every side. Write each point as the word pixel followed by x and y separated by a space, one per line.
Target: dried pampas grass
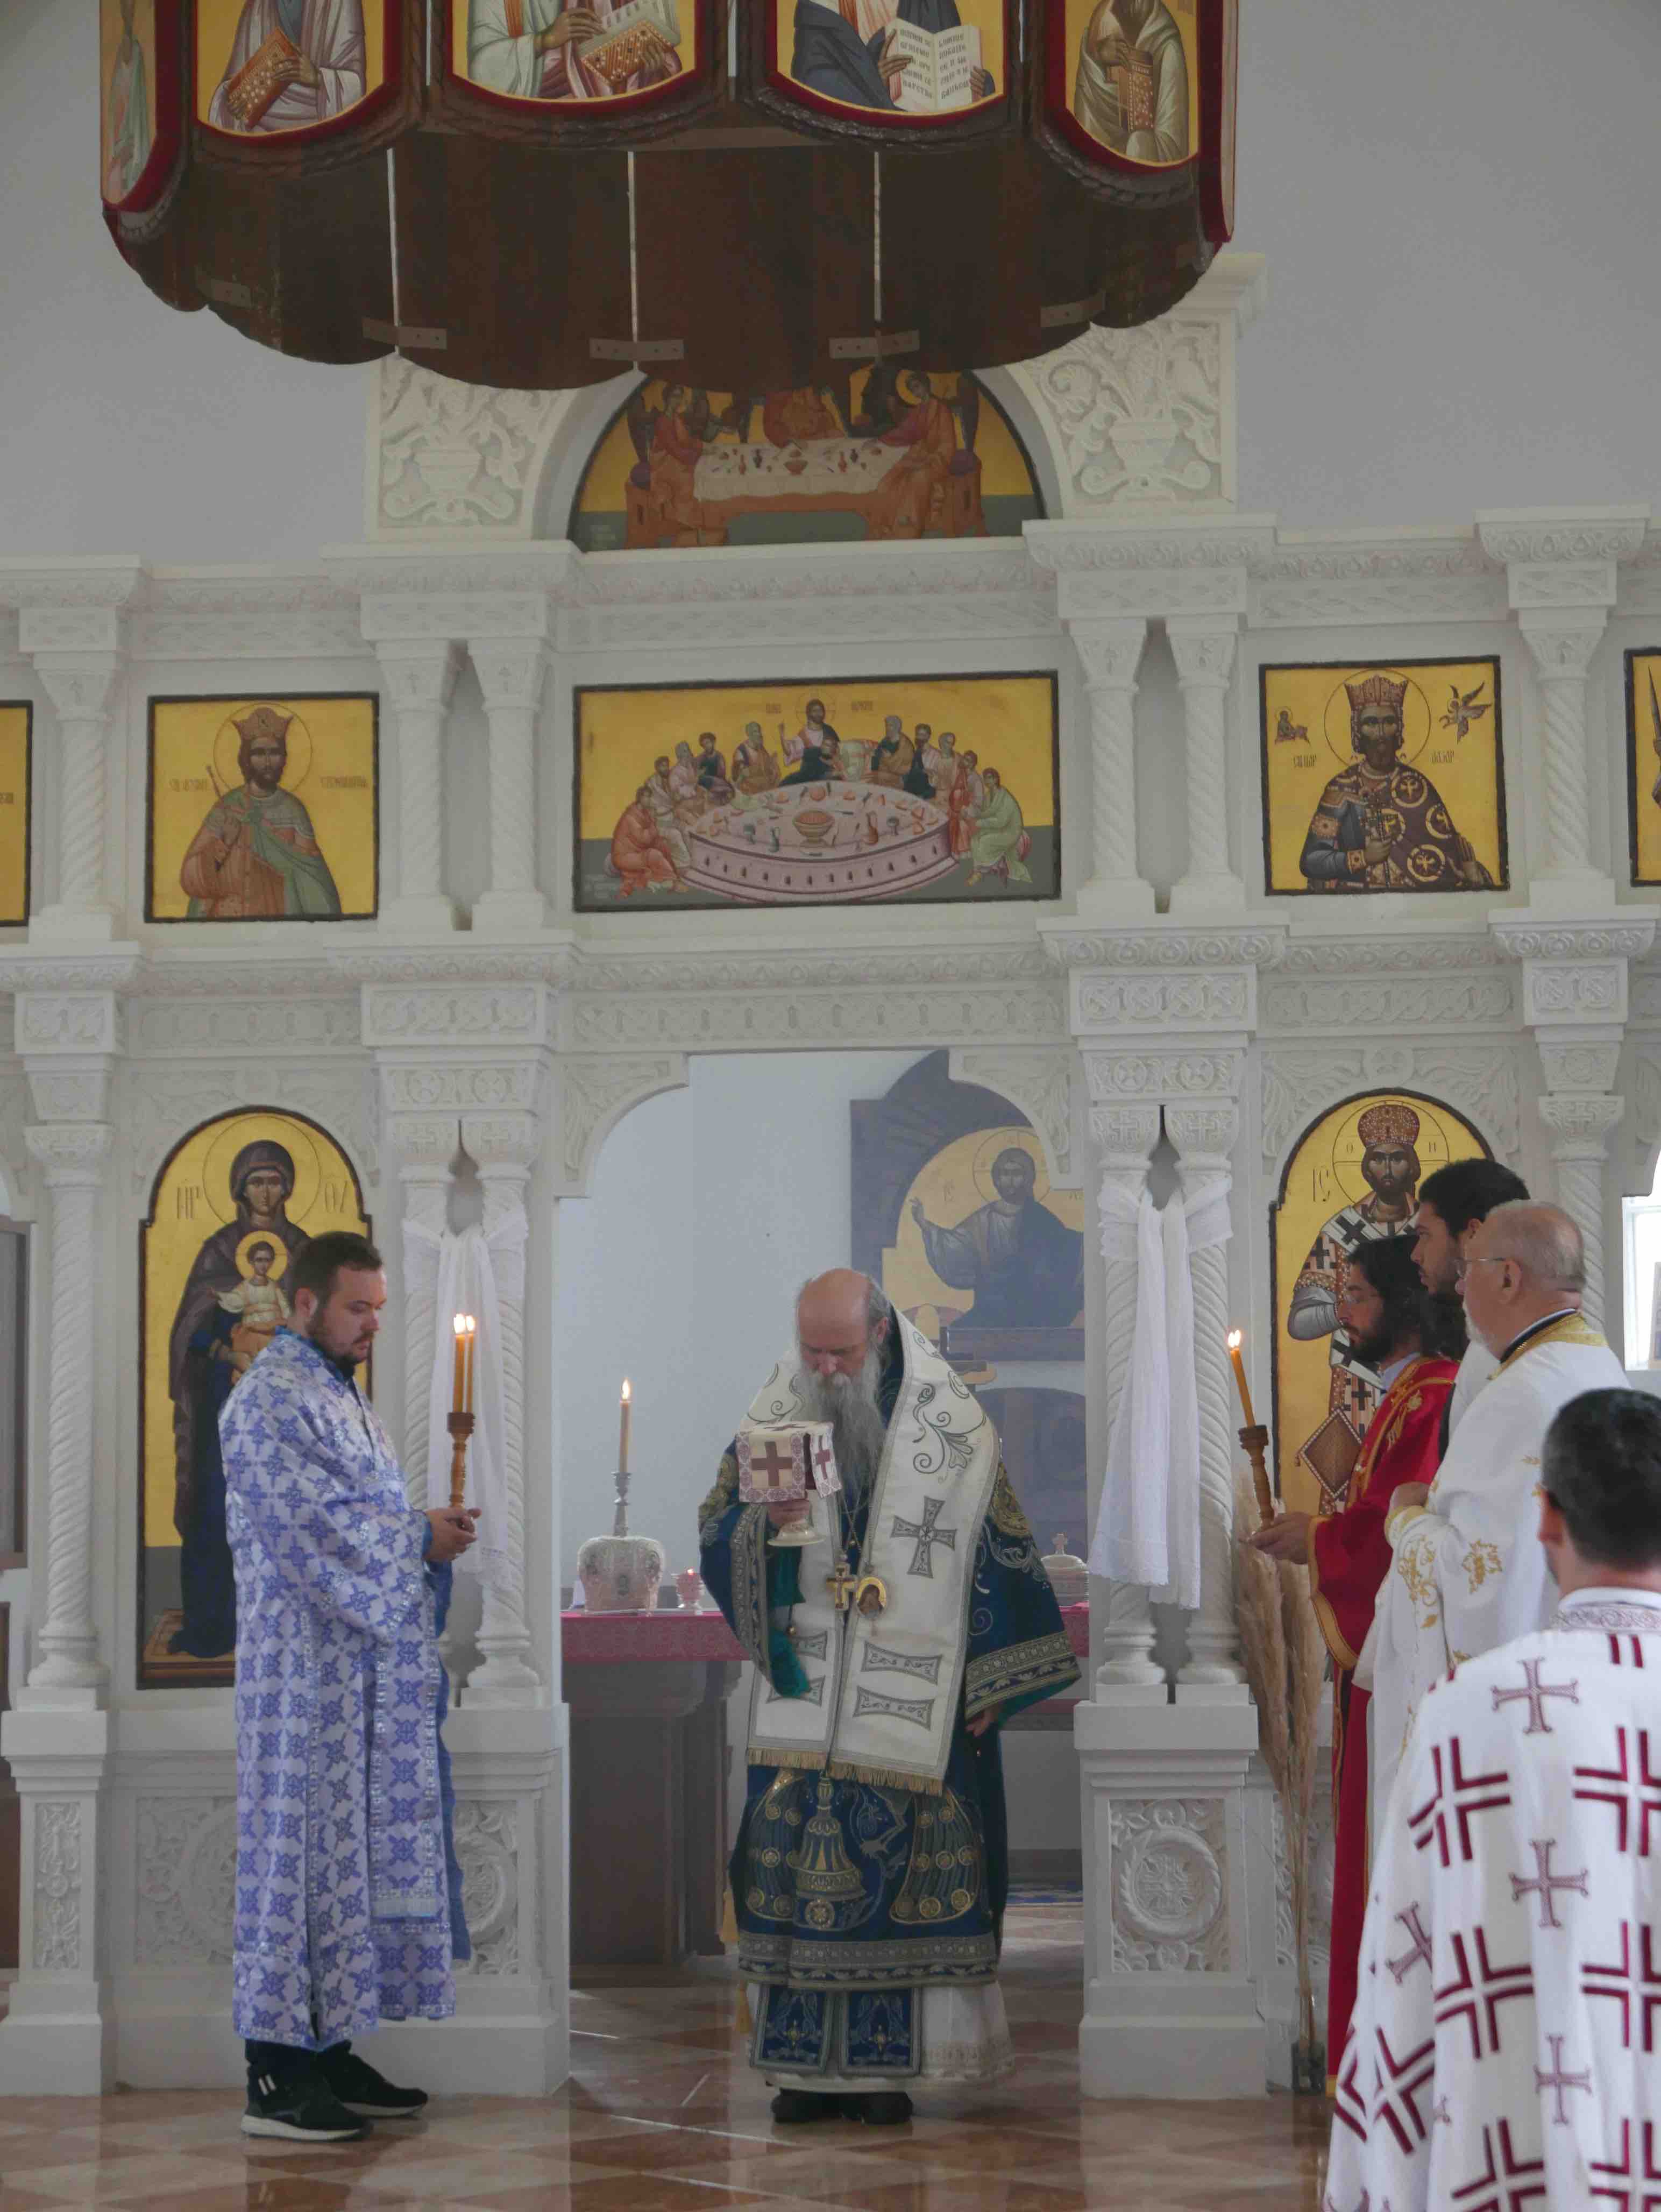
pixel 1285 1660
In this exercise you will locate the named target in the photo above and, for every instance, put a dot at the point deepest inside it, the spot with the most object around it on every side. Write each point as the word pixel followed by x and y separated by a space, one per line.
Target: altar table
pixel 649 1764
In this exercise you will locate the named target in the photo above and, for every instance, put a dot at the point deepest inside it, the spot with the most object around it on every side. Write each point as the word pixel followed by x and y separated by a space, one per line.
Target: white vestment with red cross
pixel 1505 2051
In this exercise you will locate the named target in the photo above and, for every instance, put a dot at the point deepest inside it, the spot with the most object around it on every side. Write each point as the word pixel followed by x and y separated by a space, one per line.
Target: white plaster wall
pixel 710 1205
pixel 1455 201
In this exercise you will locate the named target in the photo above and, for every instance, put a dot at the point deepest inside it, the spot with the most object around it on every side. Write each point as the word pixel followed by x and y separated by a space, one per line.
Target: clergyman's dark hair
pixel 1601 1465
pixel 1469 1190
pixel 321 1259
pixel 1409 1309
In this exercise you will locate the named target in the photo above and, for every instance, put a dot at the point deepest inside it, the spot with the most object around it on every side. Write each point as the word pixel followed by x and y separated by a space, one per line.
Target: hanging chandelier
pixel 748 194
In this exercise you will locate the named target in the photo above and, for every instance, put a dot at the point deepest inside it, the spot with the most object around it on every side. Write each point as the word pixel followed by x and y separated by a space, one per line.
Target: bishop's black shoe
pixel 790 2107
pixel 882 2108
pixel 361 2090
pixel 301 2107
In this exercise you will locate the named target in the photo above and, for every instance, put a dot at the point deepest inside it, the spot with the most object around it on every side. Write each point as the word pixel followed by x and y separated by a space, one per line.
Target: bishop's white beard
pixel 849 1403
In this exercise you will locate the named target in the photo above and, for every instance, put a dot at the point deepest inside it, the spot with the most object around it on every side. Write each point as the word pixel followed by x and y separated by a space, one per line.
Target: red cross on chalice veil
pixel 773 1464
pixel 824 1464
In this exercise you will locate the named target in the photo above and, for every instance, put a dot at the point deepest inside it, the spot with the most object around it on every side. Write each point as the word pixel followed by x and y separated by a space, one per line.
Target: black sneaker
pixel 791 2107
pixel 360 2090
pixel 303 2108
pixel 883 2108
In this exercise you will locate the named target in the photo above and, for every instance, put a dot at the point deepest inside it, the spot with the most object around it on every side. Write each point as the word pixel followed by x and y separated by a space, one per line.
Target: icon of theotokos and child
pixel 649 849
pixel 232 1306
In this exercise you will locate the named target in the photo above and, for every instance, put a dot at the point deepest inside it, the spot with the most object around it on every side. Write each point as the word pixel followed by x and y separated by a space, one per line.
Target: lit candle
pixel 1235 1339
pixel 457 1396
pixel 624 1411
pixel 470 1340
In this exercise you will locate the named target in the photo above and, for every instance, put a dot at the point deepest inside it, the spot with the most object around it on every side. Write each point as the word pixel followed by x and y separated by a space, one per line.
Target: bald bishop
pixel 1466 1573
pixel 871 1867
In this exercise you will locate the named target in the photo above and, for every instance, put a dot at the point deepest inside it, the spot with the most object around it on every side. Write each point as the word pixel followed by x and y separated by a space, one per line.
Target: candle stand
pixel 620 1573
pixel 1255 1441
pixel 461 1427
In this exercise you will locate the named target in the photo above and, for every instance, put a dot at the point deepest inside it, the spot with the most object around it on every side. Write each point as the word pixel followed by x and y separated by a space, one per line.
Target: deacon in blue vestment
pixel 348 1891
pixel 871 1866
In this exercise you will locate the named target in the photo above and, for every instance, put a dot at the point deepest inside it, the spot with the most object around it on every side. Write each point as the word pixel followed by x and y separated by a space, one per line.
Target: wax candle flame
pixel 461 1324
pixel 1236 1338
pixel 626 1390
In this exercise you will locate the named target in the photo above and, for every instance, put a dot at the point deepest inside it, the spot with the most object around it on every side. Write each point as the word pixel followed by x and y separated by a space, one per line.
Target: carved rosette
pixel 1170 1886
pixel 487 1846
pixel 186 1880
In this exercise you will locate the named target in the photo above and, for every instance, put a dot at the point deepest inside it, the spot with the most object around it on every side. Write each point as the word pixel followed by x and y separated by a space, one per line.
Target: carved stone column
pixel 1561 579
pixel 512 673
pixel 1124 1137
pixel 78 658
pixel 1575 1001
pixel 1109 652
pixel 418 678
pixel 1204 1136
pixel 1203 648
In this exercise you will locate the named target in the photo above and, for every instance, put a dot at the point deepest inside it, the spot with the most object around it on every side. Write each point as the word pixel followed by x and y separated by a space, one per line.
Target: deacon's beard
pixel 849 1403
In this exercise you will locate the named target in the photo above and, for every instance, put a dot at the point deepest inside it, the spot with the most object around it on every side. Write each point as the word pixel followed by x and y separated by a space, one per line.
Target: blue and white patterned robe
pixel 344 1877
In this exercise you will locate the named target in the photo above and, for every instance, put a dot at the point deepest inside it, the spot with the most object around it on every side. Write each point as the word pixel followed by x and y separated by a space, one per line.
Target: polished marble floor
pixel 661 2115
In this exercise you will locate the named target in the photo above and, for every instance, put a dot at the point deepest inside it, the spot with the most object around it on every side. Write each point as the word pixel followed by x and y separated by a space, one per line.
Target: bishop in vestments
pixel 1503 2050
pixel 1389 1317
pixel 1467 1573
pixel 871 1869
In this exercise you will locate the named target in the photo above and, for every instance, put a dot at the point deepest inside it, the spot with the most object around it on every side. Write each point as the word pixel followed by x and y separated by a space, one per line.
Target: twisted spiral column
pixel 419 679
pixel 1125 1136
pixel 511 675
pixel 1109 652
pixel 80 686
pixel 1213 1636
pixel 425 1198
pixel 1563 642
pixel 1203 649
pixel 1581 1122
pixel 73 1157
pixel 509 1675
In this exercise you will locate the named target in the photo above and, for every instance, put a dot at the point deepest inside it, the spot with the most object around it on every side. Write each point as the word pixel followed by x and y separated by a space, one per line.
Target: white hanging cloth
pixel 476 1274
pixel 1148 1527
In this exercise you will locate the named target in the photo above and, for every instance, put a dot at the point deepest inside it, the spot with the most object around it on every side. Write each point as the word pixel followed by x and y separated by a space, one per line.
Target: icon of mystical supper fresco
pixel 939 788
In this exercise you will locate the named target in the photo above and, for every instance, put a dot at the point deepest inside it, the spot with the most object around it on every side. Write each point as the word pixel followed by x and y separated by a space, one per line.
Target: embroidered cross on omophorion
pixel 1557 2080
pixel 927 1537
pixel 1400 1968
pixel 1545 1884
pixel 1535 1696
pixel 1632 1791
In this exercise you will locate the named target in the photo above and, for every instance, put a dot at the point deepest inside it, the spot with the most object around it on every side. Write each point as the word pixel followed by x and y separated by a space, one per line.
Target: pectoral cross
pixel 841 1584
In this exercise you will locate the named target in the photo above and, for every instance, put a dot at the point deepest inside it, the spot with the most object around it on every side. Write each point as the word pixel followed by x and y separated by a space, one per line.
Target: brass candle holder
pixel 461 1427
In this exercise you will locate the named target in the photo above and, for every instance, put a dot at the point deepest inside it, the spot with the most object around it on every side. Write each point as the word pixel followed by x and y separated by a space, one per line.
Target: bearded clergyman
pixel 871 1866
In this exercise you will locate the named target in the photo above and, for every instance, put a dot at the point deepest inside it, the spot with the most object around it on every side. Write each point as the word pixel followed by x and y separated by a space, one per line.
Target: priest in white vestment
pixel 1505 2050
pixel 1453 1204
pixel 1467 1573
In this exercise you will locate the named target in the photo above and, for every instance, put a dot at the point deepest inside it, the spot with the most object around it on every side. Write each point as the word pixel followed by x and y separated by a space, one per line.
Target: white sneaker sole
pixel 254 2125
pixel 384 2112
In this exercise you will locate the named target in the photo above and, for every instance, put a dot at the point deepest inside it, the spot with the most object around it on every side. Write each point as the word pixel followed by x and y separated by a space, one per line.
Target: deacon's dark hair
pixel 1600 1465
pixel 321 1260
pixel 1469 1190
pixel 1387 1262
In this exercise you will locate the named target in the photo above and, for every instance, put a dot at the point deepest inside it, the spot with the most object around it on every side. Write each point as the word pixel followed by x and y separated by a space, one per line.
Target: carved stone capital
pixel 1538 536
pixel 1124 1137
pixel 1575 1064
pixel 1110 653
pixel 1563 640
pixel 512 673
pixel 1626 935
pixel 79 685
pixel 72 1153
pixel 1203 649
pixel 48 630
pixel 1204 1136
pixel 424 1144
pixel 1580 1122
pixel 503 1143
pixel 455 1087
pixel 1573 991
pixel 1189 1074
pixel 70 1090
pixel 418 675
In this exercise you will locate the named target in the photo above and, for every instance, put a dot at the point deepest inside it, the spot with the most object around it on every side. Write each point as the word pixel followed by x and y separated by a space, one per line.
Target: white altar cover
pixel 1505 2051
pixel 1469 1572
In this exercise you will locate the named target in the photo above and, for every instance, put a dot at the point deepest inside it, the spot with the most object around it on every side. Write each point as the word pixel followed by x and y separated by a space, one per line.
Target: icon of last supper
pixel 938 788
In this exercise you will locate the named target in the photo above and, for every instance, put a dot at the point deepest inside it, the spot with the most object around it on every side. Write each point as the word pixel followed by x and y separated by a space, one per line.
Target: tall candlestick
pixel 1235 1339
pixel 458 1398
pixel 625 1409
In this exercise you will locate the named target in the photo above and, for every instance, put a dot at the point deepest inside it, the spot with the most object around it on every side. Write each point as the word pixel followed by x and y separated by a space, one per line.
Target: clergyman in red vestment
pixel 1387 1314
